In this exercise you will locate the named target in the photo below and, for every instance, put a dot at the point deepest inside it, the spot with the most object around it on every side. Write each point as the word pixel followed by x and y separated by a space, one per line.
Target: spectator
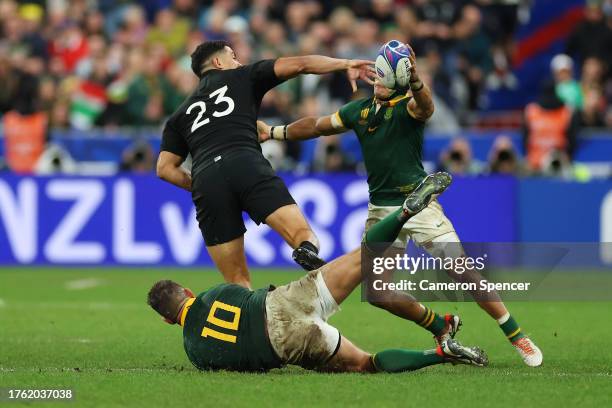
pixel 170 31
pixel 473 51
pixel 97 52
pixel 434 26
pixel 443 119
pixel 335 160
pixel 382 11
pixel 503 157
pixel 31 18
pixel 275 40
pixel 592 37
pixel 94 23
pixel 501 77
pixel 55 160
pixel 214 25
pixel 149 93
pixel 70 46
pixel 89 98
pixel 567 88
pixel 365 42
pixel 133 29
pixel 138 158
pixel 549 126
pixel 557 163
pixel 115 63
pixel 457 158
pixel 593 74
pixel 592 113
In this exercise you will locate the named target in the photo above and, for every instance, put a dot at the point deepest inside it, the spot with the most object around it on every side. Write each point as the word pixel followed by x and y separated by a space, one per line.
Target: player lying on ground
pixel 217 125
pixel 231 327
pixel 390 126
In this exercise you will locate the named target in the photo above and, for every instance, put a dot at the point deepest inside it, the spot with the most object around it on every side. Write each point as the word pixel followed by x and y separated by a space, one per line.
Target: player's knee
pixel 361 363
pixel 364 364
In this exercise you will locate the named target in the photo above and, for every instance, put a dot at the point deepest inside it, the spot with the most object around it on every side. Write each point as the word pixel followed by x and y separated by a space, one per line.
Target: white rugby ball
pixel 393 65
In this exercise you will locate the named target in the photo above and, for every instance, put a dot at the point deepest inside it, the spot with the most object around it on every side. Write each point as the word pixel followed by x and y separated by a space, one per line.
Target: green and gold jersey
pixel 392 145
pixel 224 328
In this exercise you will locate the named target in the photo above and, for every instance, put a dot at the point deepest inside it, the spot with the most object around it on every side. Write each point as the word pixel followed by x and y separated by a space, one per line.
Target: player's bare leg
pixel 351 358
pixel 290 223
pixel 402 304
pixel 230 260
pixel 344 274
pixel 398 303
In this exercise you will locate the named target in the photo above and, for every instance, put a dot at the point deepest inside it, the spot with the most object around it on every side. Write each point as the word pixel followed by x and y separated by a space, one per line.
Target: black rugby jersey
pixel 220 116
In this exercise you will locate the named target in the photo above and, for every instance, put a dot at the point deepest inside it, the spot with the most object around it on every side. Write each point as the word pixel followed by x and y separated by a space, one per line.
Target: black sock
pixel 309 245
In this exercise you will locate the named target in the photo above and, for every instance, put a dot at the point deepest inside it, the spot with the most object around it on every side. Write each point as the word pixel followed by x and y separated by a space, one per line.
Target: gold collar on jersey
pixel 385 110
pixel 390 103
pixel 185 310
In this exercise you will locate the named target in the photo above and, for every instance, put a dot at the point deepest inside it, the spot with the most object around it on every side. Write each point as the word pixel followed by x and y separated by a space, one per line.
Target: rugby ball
pixel 393 65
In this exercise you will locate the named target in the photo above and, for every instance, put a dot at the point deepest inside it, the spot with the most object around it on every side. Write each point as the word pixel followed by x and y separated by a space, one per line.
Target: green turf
pixel 106 344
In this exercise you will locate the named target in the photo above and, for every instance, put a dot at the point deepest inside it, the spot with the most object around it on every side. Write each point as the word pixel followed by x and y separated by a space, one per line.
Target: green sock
pixel 511 329
pixel 398 360
pixel 432 321
pixel 387 229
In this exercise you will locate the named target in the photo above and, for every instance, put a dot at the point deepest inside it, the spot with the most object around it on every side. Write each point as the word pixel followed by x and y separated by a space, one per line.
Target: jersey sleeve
pixel 173 142
pixel 348 114
pixel 263 77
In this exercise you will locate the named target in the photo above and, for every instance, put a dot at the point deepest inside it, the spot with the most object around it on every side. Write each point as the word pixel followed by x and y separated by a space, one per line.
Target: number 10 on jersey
pixel 225 324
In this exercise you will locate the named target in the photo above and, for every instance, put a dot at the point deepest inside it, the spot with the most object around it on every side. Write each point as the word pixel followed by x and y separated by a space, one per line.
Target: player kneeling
pixel 231 327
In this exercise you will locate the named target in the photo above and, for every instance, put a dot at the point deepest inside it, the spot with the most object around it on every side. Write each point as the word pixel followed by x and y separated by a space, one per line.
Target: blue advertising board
pixel 140 220
pixel 562 211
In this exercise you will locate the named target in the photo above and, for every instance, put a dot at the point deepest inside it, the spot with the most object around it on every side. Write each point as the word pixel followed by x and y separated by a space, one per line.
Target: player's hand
pixel 412 59
pixel 263 131
pixel 360 69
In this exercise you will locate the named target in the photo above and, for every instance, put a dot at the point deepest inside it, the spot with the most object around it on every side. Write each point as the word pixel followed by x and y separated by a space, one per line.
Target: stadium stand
pixel 103 75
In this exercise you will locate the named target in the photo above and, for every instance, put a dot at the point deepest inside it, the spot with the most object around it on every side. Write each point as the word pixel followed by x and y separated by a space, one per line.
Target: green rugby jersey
pixel 224 328
pixel 392 150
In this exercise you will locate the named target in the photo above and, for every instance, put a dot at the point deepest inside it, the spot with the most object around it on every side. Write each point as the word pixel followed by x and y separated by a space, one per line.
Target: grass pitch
pixel 91 330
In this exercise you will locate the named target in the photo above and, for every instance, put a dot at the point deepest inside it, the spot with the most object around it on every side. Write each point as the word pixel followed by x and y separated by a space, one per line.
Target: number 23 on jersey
pixel 220 99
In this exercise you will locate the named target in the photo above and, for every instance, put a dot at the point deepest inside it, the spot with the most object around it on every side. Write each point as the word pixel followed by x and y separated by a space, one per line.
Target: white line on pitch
pixel 81 284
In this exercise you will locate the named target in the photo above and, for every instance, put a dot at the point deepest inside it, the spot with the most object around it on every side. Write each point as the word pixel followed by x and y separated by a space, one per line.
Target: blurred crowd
pixel 115 63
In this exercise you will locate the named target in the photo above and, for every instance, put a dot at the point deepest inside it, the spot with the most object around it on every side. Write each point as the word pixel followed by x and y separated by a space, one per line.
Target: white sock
pixel 504 318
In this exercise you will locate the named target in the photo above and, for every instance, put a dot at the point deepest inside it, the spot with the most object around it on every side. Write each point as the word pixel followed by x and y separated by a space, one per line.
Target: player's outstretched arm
pixel 421 105
pixel 306 128
pixel 288 67
pixel 169 169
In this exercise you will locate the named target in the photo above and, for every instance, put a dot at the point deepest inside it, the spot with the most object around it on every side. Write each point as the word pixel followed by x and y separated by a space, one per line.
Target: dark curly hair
pixel 203 52
pixel 165 297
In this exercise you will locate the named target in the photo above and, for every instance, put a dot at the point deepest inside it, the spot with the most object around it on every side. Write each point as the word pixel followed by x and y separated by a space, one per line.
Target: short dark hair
pixel 203 52
pixel 165 297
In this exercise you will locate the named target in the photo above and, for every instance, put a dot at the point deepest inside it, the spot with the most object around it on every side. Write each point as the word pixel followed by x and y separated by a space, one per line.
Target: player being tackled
pixel 390 127
pixel 231 327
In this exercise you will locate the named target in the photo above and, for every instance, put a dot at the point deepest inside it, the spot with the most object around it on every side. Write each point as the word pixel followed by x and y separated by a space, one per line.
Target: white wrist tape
pixel 277 132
